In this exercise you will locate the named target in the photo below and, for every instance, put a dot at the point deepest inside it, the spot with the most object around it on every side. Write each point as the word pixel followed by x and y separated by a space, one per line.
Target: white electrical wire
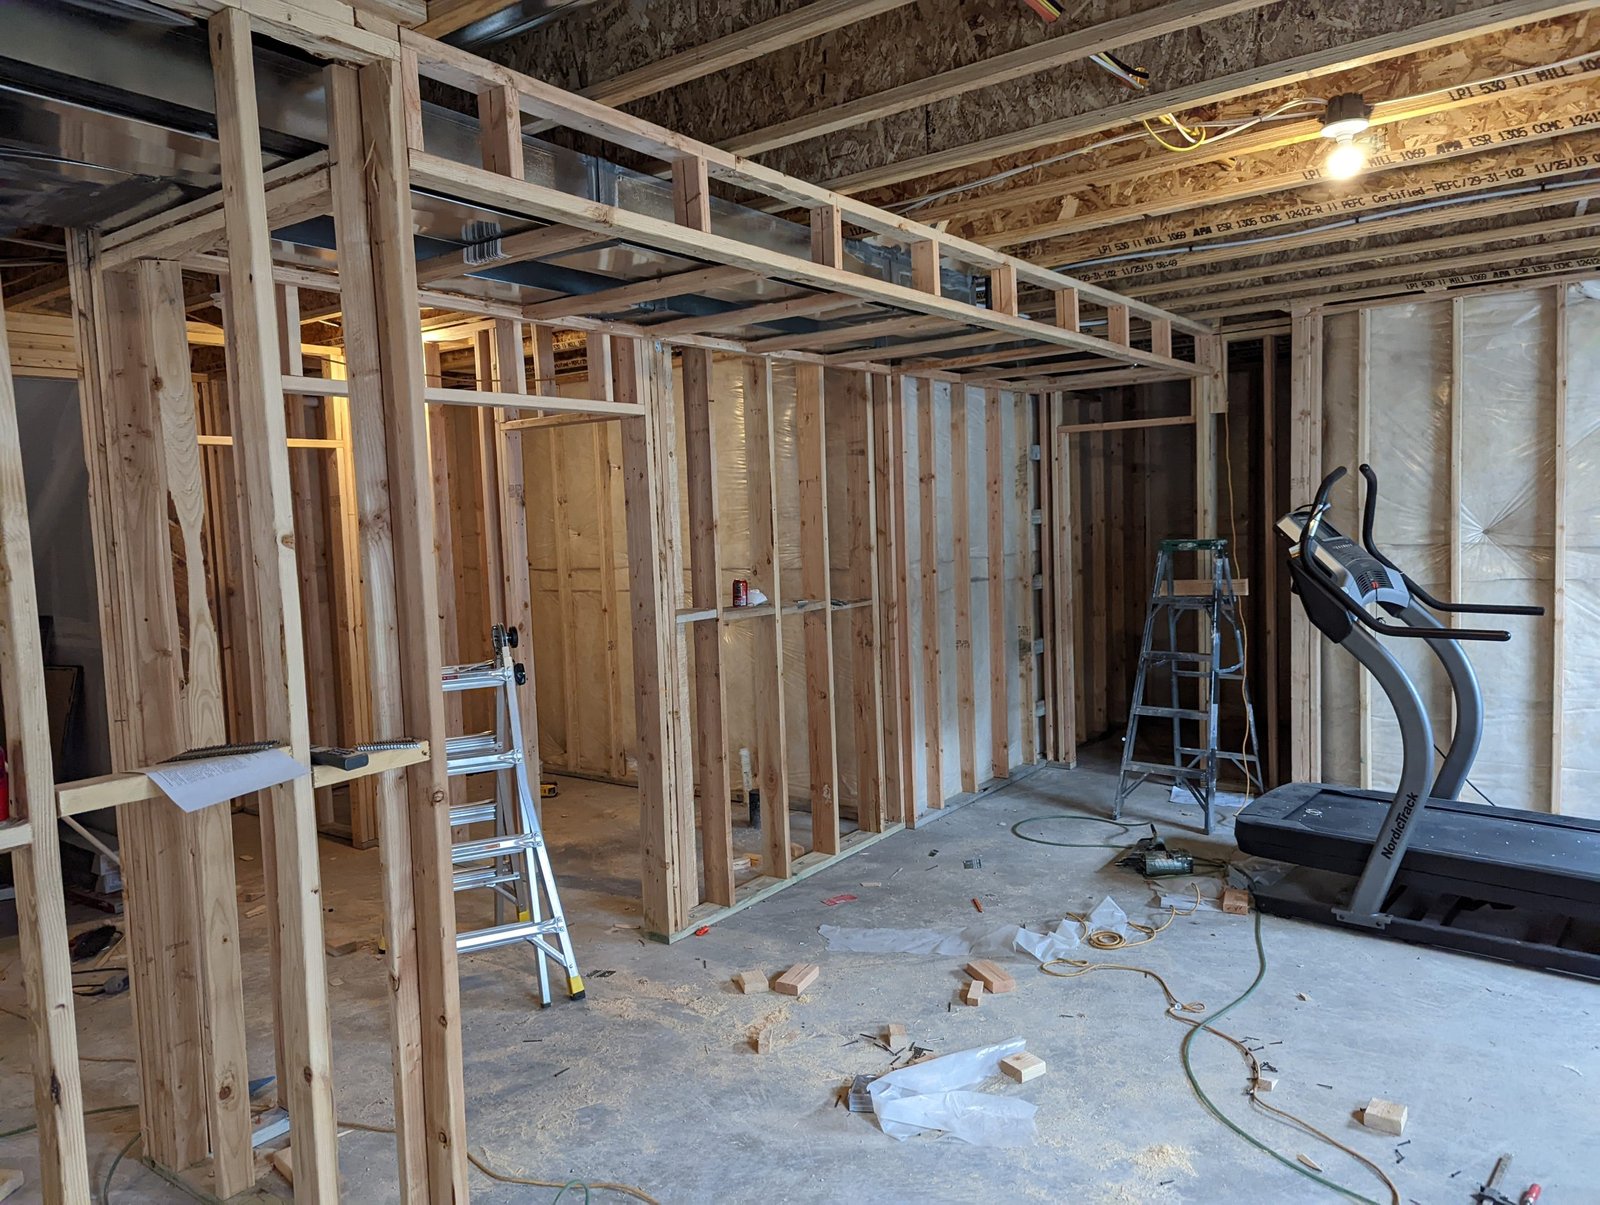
pixel 1228 128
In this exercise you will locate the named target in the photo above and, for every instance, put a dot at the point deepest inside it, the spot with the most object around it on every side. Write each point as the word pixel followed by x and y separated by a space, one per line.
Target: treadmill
pixel 1418 864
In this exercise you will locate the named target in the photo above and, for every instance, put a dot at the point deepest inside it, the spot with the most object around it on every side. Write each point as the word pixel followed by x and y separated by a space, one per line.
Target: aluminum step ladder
pixel 514 863
pixel 1195 755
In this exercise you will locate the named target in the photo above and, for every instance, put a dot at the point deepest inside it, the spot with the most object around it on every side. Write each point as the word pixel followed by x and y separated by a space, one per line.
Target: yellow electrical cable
pixel 1110 939
pixel 1198 137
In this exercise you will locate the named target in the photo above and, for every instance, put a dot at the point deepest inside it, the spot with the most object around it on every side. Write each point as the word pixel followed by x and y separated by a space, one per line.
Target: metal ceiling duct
pixel 107 111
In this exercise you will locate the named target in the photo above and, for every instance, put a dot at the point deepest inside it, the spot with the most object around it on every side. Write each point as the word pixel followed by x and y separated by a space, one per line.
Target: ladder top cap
pixel 1194 545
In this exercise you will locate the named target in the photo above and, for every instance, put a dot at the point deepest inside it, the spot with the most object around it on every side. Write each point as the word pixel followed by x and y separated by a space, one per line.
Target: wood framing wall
pixel 1134 465
pixel 289 551
pixel 1477 413
pixel 966 666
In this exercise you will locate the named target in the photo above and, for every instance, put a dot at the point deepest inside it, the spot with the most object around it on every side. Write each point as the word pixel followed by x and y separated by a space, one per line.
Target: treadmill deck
pixel 1500 854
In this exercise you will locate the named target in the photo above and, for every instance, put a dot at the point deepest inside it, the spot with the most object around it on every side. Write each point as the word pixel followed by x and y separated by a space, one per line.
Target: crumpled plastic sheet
pixel 935 1095
pixel 1041 941
pixel 975 940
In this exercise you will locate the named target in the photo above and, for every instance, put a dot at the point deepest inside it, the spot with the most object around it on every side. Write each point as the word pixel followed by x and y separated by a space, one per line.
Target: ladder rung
pixel 494 847
pixel 1167 713
pixel 504 935
pixel 483 763
pixel 473 677
pixel 1160 655
pixel 474 813
pixel 473 880
pixel 1170 771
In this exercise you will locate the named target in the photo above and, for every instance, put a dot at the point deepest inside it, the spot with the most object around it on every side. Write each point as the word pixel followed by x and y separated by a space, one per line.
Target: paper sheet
pixel 193 785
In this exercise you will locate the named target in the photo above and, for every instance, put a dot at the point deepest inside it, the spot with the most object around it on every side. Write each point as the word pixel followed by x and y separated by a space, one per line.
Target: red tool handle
pixel 1531 1196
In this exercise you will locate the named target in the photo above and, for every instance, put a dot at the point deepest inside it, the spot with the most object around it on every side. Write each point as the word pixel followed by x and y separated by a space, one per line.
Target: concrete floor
pixel 652 1080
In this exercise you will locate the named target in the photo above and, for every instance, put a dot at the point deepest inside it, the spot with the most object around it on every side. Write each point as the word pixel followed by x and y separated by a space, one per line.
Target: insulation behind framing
pixel 571 471
pixel 1454 403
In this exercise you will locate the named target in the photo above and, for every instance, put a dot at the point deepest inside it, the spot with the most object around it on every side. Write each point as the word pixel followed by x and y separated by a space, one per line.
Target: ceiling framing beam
pixel 1058 51
pixel 811 20
pixel 1482 133
pixel 1151 104
pixel 1347 230
pixel 1515 166
pixel 1277 294
pixel 1193 285
pixel 1439 80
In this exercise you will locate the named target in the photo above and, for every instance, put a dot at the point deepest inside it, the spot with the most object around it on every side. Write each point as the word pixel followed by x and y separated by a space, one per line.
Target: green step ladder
pixel 1195 755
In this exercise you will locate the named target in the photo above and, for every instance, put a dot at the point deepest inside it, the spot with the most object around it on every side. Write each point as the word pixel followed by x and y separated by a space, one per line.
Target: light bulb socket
pixel 1347 115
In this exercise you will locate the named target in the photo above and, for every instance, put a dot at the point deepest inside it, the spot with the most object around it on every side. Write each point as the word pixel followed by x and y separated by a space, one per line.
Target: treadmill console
pixel 1354 570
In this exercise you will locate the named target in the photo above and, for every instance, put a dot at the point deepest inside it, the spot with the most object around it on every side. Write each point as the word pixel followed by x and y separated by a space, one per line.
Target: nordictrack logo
pixel 1399 829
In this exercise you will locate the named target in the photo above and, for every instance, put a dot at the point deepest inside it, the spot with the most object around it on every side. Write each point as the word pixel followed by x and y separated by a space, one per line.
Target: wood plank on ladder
pixel 263 464
pixel 36 864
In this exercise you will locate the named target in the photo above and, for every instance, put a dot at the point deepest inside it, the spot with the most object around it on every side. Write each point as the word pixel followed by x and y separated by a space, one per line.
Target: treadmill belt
pixel 1463 849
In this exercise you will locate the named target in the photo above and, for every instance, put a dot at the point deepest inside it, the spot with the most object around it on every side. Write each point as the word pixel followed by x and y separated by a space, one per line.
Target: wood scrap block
pixel 283 1163
pixel 1385 1116
pixel 1266 1083
pixel 1236 901
pixel 764 1039
pixel 341 948
pixel 1023 1067
pixel 996 979
pixel 972 994
pixel 752 983
pixel 796 979
pixel 10 1180
pixel 894 1033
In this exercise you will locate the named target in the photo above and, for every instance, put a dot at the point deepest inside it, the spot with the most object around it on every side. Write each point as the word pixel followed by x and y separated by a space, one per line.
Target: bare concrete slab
pixel 654 1080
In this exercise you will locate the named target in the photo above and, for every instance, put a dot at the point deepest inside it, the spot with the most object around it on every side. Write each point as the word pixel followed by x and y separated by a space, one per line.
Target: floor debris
pixel 996 979
pixel 796 979
pixel 1022 1067
pixel 1385 1116
pixel 752 983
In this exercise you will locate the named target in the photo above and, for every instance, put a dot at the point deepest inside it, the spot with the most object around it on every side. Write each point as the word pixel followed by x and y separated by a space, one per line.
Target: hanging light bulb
pixel 1346 116
pixel 1346 160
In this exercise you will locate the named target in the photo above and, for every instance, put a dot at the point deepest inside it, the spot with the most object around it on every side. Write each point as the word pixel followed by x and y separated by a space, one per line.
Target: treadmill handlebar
pixel 1370 511
pixel 1314 572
